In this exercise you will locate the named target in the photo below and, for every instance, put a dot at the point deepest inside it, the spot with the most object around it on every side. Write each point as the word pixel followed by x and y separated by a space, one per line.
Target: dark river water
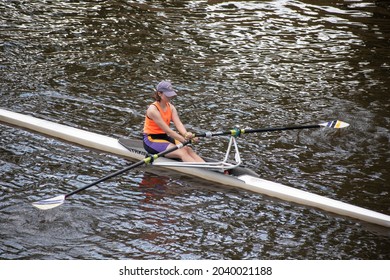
pixel 93 65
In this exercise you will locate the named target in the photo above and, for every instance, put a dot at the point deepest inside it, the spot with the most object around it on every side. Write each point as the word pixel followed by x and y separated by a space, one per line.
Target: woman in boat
pixel 158 136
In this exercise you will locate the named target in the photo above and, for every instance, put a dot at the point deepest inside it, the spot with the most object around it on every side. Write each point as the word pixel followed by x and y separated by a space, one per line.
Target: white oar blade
pixel 335 124
pixel 50 202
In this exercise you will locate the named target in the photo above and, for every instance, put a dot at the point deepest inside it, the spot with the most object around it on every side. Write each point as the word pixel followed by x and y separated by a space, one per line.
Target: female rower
pixel 158 136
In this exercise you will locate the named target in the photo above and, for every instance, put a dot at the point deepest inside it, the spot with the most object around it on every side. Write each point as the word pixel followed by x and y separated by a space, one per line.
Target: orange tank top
pixel 150 127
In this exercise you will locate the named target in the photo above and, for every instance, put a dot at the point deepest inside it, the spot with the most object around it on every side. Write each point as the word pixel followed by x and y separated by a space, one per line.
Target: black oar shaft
pixel 281 128
pixel 134 165
pixel 238 132
pixel 106 178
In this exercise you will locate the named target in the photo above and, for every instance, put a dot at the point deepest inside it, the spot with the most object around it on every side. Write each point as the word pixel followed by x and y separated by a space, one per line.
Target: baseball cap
pixel 166 88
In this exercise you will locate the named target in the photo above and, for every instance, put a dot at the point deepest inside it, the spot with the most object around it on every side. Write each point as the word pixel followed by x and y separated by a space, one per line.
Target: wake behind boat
pixel 239 177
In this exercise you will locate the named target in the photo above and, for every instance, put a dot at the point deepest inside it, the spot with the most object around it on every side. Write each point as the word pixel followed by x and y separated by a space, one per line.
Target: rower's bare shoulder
pixel 152 108
pixel 152 112
pixel 173 108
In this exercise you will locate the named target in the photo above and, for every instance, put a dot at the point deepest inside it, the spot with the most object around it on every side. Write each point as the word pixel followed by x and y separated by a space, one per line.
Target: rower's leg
pixel 185 154
pixel 194 155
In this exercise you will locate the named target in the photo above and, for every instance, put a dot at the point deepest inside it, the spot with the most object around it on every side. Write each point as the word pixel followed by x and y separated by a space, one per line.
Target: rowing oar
pixel 58 200
pixel 238 132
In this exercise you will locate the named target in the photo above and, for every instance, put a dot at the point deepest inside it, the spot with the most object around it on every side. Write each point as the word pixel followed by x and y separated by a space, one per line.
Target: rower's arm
pixel 155 115
pixel 176 120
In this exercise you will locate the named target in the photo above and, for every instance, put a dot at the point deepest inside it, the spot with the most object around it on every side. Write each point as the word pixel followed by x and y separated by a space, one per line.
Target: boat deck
pixel 136 146
pixel 242 178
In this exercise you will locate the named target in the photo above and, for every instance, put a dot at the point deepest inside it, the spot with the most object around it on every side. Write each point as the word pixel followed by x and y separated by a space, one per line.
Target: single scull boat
pixel 239 177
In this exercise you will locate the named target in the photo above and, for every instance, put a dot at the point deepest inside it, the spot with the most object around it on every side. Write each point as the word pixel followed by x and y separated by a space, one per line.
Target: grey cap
pixel 166 88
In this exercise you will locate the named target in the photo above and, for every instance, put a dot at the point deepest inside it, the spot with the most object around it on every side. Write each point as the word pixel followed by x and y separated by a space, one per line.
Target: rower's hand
pixel 191 136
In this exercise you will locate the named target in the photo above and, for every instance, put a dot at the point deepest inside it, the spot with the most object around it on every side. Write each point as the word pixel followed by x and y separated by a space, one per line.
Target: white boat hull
pixel 247 182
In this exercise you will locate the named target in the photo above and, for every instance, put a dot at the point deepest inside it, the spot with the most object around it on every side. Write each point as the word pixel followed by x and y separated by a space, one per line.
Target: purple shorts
pixel 157 143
